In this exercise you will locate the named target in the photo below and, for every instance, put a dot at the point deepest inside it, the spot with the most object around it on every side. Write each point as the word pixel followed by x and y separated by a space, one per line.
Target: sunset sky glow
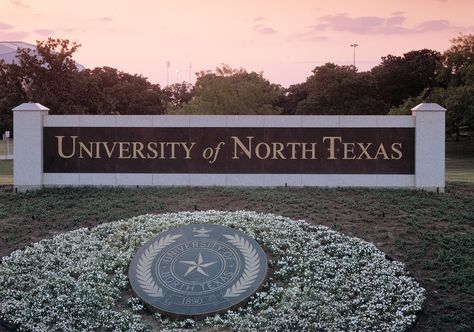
pixel 284 39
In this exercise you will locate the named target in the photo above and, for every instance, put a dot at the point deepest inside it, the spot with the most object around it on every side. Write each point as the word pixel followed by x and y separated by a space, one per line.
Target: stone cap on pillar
pixel 30 107
pixel 428 107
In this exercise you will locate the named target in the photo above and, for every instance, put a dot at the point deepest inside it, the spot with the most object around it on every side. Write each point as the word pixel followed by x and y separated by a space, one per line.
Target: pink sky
pixel 284 39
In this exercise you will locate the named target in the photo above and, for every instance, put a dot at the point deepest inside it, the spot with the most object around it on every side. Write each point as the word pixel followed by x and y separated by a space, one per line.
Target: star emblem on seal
pixel 197 265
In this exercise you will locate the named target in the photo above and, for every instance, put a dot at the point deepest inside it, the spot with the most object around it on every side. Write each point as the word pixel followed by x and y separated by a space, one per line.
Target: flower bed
pixel 322 280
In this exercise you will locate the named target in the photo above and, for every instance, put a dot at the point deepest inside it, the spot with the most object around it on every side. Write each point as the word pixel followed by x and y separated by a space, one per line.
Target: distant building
pixel 8 51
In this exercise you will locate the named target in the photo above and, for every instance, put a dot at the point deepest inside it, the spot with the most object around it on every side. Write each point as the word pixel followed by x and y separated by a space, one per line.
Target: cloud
pixel 309 36
pixel 104 19
pixel 398 13
pixel 434 25
pixel 378 25
pixel 5 26
pixel 259 19
pixel 7 32
pixel 264 30
pixel 44 32
pixel 362 24
pixel 13 35
pixel 19 3
pixel 396 19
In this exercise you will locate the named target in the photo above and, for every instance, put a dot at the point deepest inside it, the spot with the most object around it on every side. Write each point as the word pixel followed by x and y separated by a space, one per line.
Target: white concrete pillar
pixel 429 146
pixel 28 146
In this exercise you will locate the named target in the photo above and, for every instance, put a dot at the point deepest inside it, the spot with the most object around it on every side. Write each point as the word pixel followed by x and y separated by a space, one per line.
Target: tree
pixel 458 61
pixel 178 94
pixel 401 77
pixel 53 75
pixel 334 89
pixel 232 91
pixel 11 94
pixel 116 92
pixel 459 101
pixel 55 82
pixel 292 96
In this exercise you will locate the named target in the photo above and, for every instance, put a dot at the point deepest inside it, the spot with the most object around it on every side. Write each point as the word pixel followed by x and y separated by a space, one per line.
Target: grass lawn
pixel 6 172
pixel 460 161
pixel 4 149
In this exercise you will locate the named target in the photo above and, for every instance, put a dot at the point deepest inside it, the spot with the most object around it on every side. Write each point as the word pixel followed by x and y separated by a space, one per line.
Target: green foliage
pixel 178 94
pixel 406 106
pixel 456 254
pixel 401 77
pixel 50 76
pixel 459 101
pixel 455 89
pixel 396 83
pixel 232 91
pixel 6 172
pixel 458 61
pixel 11 94
pixel 334 89
pixel 116 92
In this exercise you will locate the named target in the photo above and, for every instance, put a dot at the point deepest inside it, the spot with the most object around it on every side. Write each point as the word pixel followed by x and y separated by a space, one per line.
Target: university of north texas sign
pixel 229 150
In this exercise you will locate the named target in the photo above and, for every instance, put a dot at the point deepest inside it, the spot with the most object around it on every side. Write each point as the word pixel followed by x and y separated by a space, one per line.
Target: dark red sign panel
pixel 229 150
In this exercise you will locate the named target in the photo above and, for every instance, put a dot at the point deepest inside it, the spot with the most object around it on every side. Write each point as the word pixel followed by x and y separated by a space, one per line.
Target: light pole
pixel 190 67
pixel 354 46
pixel 177 76
pixel 168 64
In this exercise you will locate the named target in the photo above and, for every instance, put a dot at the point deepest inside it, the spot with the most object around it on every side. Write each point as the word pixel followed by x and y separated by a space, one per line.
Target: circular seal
pixel 197 270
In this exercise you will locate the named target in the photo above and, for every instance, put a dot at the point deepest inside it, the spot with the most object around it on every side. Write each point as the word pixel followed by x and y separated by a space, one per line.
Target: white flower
pixel 323 280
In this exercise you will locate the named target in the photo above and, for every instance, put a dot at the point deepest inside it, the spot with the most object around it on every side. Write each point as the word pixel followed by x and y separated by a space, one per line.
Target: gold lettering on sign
pixel 123 150
pixel 381 151
pixel 364 150
pixel 97 150
pixel 312 150
pixel 124 147
pixel 332 145
pixel 258 151
pixel 188 149
pixel 162 150
pixel 293 146
pixel 173 149
pixel 137 148
pixel 277 150
pixel 397 151
pixel 246 150
pixel 61 149
pixel 152 152
pixel 107 150
pixel 349 149
pixel 83 147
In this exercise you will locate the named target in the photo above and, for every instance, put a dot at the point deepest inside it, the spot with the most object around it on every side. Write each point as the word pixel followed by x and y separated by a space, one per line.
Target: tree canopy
pixel 400 77
pixel 232 91
pixel 50 76
pixel 334 89
pixel 455 87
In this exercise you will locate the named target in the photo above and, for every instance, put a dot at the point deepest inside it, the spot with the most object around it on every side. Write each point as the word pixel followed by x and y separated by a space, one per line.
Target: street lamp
pixel 354 46
pixel 168 64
